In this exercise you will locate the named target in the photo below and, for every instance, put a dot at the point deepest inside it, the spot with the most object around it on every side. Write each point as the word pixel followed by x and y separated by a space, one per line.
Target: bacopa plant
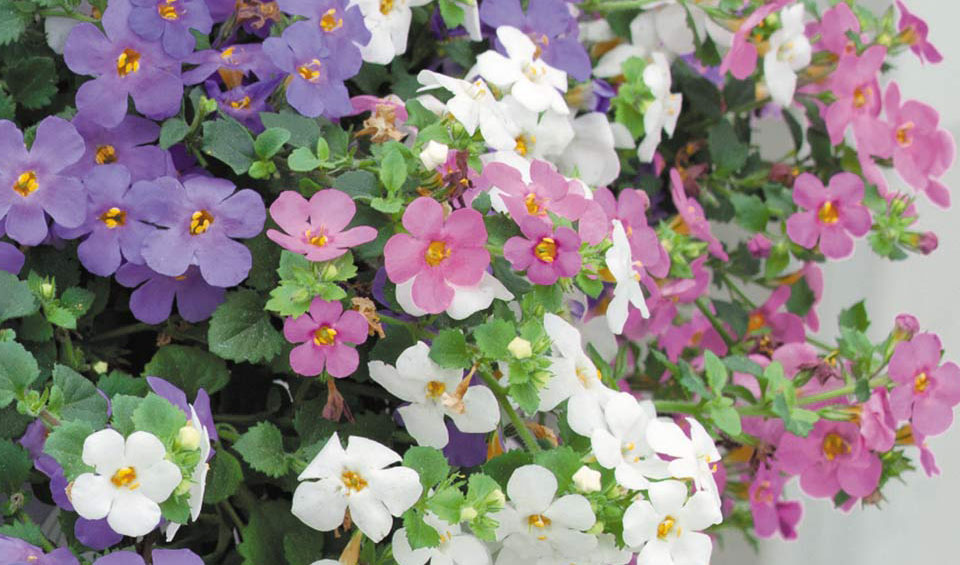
pixel 388 281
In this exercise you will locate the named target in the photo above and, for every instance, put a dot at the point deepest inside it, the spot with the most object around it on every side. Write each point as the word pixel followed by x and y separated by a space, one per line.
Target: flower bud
pixel 100 367
pixel 905 327
pixel 183 487
pixel 587 480
pixel 468 513
pixel 47 290
pixel 928 243
pixel 520 348
pixel 496 499
pixel 759 246
pixel 434 154
pixel 188 438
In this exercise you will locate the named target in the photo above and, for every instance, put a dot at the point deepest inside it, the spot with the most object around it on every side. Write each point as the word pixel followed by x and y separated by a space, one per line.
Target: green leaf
pixel 32 81
pixel 592 287
pixel 726 149
pixel 240 329
pixel 176 509
pixel 224 477
pixel 262 448
pixel 493 337
pixel 302 545
pixel 121 414
pixel 716 372
pixel 563 462
pixel 446 504
pixel 855 317
pixel 65 444
pixel 419 533
pixel 452 13
pixel 13 22
pixel 15 465
pixel 159 417
pixel 16 300
pixel 189 368
pixel 18 370
pixel 796 130
pixel 230 142
pixel 752 213
pixel 501 467
pixel 429 463
pixel 264 537
pixel 270 142
pixel 27 531
pixel 740 364
pixel 118 382
pixel 801 298
pixel 302 160
pixel 304 132
pixel 323 149
pixel 726 417
pixel 387 205
pixel 80 399
pixel 77 300
pixel 449 350
pixel 172 132
pixel 778 260
pixel 691 381
pixel 734 314
pixel 393 170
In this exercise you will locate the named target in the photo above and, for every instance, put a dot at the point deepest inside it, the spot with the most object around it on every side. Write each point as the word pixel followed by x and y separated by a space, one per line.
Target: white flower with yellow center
pixel 434 393
pixel 131 479
pixel 473 105
pixel 467 300
pixel 619 261
pixel 456 547
pixel 694 456
pixel 358 478
pixel 789 52
pixel 389 25
pixel 535 136
pixel 622 444
pixel 667 528
pixel 534 83
pixel 537 529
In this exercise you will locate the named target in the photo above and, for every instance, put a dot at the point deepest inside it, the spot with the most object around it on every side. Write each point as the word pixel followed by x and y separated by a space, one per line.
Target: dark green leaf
pixel 32 81
pixel 262 448
pixel 270 142
pixel 158 416
pixel 224 478
pixel 16 300
pixel 429 463
pixel 81 400
pixel 172 132
pixel 189 368
pixel 15 465
pixel 449 349
pixel 240 329
pixel 230 142
pixel 18 370
pixel 65 444
pixel 727 151
pixel 304 132
pixel 855 317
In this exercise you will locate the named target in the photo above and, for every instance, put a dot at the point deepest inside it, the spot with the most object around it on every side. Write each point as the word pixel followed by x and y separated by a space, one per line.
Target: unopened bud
pixel 183 487
pixel 496 499
pixel 759 246
pixel 587 479
pixel 188 438
pixel 928 243
pixel 520 348
pixel 905 327
pixel 468 513
pixel 434 154
pixel 100 367
pixel 47 290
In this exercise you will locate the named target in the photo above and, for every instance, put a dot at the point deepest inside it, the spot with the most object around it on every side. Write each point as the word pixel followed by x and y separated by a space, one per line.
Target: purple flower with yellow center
pixel 232 63
pixel 170 21
pixel 317 72
pixel 31 183
pixel 152 301
pixel 202 216
pixel 125 144
pixel 14 551
pixel 244 103
pixel 341 25
pixel 124 64
pixel 114 224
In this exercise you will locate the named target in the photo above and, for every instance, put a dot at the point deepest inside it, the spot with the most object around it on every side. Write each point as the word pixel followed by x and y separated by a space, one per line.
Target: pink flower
pixel 316 228
pixel 877 424
pixel 546 254
pixel 741 60
pixel 831 458
pixel 926 391
pixel 913 32
pixel 770 515
pixel 921 152
pixel 785 327
pixel 374 104
pixel 631 209
pixel 693 217
pixel 759 246
pixel 831 215
pixel 323 334
pixel 833 28
pixel 858 101
pixel 698 333
pixel 437 253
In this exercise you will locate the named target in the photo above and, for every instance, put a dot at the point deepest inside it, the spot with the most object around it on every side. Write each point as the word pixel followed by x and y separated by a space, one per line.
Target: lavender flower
pixel 550 26
pixel 170 21
pixel 31 183
pixel 202 215
pixel 159 557
pixel 235 59
pixel 317 71
pixel 152 301
pixel 124 65
pixel 178 398
pixel 125 144
pixel 11 258
pixel 244 103
pixel 340 23
pixel 13 550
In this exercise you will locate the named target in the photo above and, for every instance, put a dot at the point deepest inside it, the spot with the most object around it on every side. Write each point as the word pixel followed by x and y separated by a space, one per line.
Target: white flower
pixel 434 154
pixel 575 377
pixel 194 431
pixel 667 527
pixel 389 24
pixel 467 300
pixel 534 83
pixel 607 553
pixel 456 547
pixel 622 444
pixel 592 153
pixel 789 52
pixel 356 478
pixel 473 105
pixel 586 479
pixel 695 457
pixel 535 528
pixel 619 261
pixel 471 19
pixel 131 479
pixel 434 392
pixel 662 114
pixel 535 136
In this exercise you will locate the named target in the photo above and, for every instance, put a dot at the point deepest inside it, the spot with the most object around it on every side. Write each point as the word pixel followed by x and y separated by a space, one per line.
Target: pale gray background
pixel 920 521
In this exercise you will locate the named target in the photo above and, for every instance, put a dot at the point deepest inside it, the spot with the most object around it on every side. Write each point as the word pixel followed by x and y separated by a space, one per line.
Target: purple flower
pixel 202 216
pixel 124 65
pixel 220 10
pixel 317 71
pixel 550 26
pixel 465 449
pixel 170 21
pixel 152 302
pixel 926 391
pixel 15 551
pixel 11 258
pixel 545 254
pixel 160 557
pixel 113 222
pixel 125 144
pixel 340 25
pixel 244 103
pixel 235 60
pixel 323 334
pixel 31 183
pixel 831 458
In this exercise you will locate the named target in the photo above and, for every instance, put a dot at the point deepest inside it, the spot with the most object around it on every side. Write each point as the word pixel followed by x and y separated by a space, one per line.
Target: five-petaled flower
pixel 317 228
pixel 830 214
pixel 323 334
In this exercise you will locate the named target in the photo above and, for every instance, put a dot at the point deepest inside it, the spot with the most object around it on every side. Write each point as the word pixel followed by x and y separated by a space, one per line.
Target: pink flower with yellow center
pixel 317 228
pixel 926 391
pixel 323 334
pixel 831 458
pixel 830 215
pixel 544 253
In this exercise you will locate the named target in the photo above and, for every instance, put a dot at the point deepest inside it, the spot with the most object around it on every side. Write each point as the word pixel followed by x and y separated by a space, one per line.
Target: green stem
pixel 232 513
pixel 820 344
pixel 614 5
pixel 842 391
pixel 714 321
pixel 122 331
pixel 65 14
pixel 736 290
pixel 528 440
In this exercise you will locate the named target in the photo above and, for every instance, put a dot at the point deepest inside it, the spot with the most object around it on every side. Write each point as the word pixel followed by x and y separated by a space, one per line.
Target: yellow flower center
pixel 114 217
pixel 125 477
pixel 330 22
pixel 764 493
pixel 26 184
pixel 666 526
pixel 834 445
pixel 905 134
pixel 436 253
pixel 325 335
pixel 318 240
pixel 311 71
pixel 106 154
pixel 435 389
pixel 386 6
pixel 546 250
pixel 524 143
pixel 168 11
pixel 241 104
pixel 228 52
pixel 860 95
pixel 828 213
pixel 921 382
pixel 756 321
pixel 353 481
pixel 535 205
pixel 909 35
pixel 538 521
pixel 128 62
pixel 200 222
